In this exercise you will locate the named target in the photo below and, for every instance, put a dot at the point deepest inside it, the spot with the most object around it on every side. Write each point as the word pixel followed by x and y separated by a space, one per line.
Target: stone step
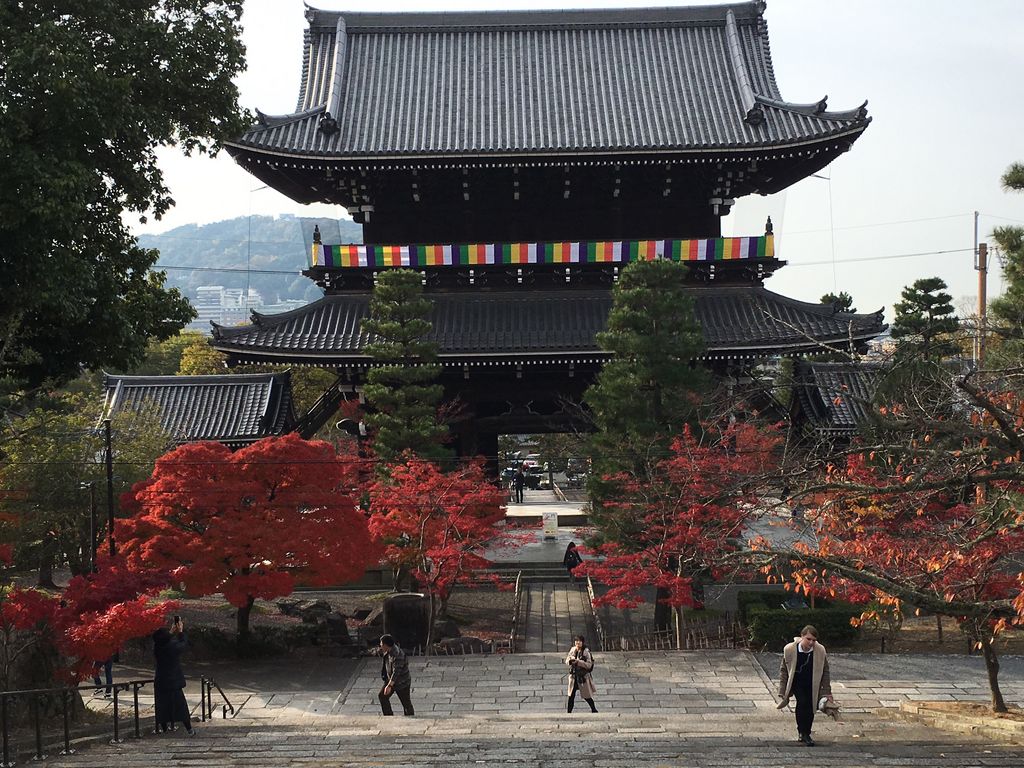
pixel 553 741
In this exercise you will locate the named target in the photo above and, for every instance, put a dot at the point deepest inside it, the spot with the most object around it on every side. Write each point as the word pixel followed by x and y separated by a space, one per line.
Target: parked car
pixel 534 475
pixel 575 480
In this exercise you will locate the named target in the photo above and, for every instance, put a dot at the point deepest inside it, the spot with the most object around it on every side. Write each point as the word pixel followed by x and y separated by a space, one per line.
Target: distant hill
pixel 189 252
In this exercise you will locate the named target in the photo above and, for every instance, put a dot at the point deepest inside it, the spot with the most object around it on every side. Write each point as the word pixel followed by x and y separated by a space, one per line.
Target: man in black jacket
pixel 394 671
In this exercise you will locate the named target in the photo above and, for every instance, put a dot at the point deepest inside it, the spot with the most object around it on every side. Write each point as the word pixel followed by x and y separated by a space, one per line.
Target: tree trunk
pixel 680 627
pixel 992 668
pixel 938 626
pixel 662 612
pixel 431 618
pixel 46 558
pixel 242 622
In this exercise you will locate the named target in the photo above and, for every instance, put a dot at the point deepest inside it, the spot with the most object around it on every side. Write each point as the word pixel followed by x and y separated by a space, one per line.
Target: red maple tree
pixel 252 523
pixel 672 523
pixel 94 616
pixel 932 535
pixel 437 524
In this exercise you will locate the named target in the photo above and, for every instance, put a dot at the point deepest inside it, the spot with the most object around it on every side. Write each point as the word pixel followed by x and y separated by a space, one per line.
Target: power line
pixel 801 264
pixel 223 240
pixel 883 258
pixel 1002 218
pixel 878 224
pixel 242 270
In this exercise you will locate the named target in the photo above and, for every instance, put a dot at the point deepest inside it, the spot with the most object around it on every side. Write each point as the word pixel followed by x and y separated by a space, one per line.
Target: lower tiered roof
pixel 521 327
pixel 836 398
pixel 235 409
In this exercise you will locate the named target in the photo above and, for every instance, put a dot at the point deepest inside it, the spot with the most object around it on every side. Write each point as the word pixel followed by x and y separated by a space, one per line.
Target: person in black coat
pixel 169 680
pixel 571 560
pixel 518 482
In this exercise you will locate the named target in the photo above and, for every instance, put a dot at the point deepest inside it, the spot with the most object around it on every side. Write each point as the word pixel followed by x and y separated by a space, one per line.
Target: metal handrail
pixel 206 686
pixel 35 694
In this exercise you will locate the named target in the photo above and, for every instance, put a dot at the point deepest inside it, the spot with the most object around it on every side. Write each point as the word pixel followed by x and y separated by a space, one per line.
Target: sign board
pixel 550 525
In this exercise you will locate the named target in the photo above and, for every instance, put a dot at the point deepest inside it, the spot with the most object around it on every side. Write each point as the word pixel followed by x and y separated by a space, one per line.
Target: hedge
pixel 761 598
pixel 771 626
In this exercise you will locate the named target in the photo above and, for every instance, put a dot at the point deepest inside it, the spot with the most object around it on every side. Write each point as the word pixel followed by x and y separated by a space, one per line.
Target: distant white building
pixel 224 306
pixel 209 299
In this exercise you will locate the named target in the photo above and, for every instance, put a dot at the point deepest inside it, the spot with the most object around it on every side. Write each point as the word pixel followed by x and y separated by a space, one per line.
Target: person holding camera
pixel 581 663
pixel 169 680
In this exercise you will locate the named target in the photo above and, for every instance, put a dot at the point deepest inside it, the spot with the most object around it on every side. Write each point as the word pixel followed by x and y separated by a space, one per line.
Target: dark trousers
pixel 805 707
pixel 403 696
pixel 572 700
pixel 519 494
pixel 108 673
pixel 171 707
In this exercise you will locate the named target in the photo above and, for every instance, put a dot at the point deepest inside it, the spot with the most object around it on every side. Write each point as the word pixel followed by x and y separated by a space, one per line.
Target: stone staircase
pixel 709 709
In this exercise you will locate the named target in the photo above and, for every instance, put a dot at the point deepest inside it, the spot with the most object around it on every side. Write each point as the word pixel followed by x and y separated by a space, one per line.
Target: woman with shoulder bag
pixel 581 664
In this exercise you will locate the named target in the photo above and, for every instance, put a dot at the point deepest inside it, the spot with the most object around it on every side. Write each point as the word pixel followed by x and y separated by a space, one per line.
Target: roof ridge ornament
pixel 328 126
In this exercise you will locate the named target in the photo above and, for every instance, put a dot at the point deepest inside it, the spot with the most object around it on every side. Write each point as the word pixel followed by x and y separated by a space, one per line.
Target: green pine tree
pixel 925 320
pixel 1008 309
pixel 842 301
pixel 647 392
pixel 401 388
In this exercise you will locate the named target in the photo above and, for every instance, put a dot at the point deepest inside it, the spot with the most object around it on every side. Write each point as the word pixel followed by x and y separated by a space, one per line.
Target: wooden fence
pixel 718 632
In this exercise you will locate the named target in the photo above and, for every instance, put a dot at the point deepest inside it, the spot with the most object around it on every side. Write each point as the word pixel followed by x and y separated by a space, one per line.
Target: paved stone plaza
pixel 660 708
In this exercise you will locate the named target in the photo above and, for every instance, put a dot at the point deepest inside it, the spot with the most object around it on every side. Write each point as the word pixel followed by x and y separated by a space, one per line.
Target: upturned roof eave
pixel 585 154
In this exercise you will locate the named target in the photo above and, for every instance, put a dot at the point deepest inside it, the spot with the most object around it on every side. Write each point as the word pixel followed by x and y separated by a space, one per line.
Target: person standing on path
pixel 169 680
pixel 581 663
pixel 571 559
pixel 804 674
pixel 394 671
pixel 107 667
pixel 518 483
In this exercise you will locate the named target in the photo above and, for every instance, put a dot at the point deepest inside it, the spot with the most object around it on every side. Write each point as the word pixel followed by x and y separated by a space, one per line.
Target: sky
pixel 944 88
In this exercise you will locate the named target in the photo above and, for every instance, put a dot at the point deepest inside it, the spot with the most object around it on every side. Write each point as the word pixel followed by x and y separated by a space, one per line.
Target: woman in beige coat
pixel 580 662
pixel 804 674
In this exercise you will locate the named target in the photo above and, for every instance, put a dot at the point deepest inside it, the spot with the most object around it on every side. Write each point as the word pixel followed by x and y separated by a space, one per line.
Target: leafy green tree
pixel 163 357
pixel 88 92
pixel 56 450
pixel 401 388
pixel 198 358
pixel 925 319
pixel 842 301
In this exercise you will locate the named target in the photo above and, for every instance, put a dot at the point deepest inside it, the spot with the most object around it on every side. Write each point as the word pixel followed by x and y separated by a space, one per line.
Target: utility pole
pixel 981 265
pixel 109 456
pixel 93 523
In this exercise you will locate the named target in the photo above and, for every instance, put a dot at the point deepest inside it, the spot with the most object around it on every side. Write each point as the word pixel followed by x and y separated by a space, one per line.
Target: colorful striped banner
pixel 505 254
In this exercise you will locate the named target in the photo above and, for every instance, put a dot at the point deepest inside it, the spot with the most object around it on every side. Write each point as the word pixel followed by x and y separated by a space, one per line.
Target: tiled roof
pixel 742 321
pixel 836 397
pixel 484 83
pixel 233 409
